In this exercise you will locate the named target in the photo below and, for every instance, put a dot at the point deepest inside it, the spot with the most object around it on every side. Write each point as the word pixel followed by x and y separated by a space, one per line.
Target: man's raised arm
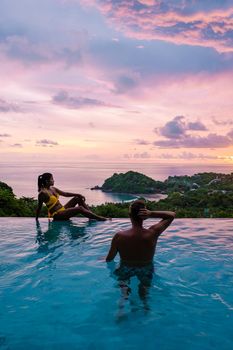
pixel 166 216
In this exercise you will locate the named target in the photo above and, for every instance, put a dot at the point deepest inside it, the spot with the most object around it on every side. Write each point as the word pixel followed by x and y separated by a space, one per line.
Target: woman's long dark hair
pixel 42 180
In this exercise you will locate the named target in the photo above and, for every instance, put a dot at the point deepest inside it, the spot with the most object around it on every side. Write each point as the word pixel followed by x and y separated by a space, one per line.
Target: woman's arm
pixel 39 205
pixel 68 194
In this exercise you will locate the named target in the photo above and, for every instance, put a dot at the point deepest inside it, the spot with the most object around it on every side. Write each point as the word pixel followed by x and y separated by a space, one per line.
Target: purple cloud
pixel 17 145
pixel 6 107
pixel 210 141
pixel 65 100
pixel 22 48
pixel 5 135
pixel 143 155
pixel 177 136
pixel 176 128
pixel 196 126
pixel 91 125
pixel 46 143
pixel 187 156
pixel 141 142
pixel 230 134
pixel 222 122
pixel 125 83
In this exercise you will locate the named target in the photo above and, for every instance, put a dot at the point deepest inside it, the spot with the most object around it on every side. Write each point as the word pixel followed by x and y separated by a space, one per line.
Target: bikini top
pixel 53 199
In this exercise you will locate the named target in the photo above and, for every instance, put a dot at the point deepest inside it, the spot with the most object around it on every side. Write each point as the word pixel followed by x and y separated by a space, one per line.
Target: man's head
pixel 134 209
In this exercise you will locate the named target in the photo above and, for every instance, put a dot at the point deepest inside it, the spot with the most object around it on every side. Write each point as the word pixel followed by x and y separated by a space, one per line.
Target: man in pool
pixel 136 246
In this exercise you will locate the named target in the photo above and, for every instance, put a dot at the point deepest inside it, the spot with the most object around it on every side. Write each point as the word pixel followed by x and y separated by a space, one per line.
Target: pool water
pixel 56 292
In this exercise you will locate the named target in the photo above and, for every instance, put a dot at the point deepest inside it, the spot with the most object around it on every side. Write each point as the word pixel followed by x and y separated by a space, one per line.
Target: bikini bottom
pixel 56 212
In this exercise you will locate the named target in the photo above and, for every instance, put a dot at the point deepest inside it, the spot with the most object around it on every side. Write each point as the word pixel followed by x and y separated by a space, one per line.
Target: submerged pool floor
pixel 56 292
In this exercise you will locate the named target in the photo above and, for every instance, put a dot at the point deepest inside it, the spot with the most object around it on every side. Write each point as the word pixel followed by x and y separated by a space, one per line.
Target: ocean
pixel 80 177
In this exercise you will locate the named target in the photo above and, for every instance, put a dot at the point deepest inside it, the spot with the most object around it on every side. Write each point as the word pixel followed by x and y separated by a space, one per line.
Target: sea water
pixel 80 177
pixel 56 291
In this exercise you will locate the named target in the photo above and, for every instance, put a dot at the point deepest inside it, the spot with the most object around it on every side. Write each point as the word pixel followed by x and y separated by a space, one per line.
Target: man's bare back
pixel 137 245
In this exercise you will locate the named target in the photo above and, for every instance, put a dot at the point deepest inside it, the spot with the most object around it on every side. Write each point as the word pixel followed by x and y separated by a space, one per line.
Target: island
pixel 130 182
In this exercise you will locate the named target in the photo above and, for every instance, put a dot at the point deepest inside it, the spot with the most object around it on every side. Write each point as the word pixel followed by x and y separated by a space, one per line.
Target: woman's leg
pixel 70 212
pixel 74 201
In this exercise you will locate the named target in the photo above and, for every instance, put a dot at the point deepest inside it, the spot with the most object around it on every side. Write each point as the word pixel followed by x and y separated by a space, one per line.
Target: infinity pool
pixel 57 293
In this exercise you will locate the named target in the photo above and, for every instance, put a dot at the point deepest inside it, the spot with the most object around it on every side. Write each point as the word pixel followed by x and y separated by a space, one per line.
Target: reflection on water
pixel 56 228
pixel 59 231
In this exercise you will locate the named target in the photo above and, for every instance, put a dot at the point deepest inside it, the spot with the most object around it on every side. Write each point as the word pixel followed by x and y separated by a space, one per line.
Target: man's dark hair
pixel 135 207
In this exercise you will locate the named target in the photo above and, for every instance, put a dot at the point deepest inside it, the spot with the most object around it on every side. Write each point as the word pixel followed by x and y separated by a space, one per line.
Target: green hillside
pixel 131 182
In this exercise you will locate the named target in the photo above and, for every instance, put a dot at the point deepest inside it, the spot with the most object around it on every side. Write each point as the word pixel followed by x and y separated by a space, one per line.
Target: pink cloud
pixel 178 23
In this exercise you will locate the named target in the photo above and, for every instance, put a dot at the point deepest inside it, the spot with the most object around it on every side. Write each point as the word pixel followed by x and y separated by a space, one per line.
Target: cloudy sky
pixel 125 80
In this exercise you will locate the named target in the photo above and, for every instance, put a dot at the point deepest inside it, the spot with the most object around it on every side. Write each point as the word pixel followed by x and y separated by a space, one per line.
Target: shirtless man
pixel 136 246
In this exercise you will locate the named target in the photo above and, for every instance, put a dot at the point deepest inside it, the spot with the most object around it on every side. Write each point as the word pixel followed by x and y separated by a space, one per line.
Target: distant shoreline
pixel 148 196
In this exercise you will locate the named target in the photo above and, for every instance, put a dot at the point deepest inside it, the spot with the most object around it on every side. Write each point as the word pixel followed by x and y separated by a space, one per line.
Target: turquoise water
pixel 57 293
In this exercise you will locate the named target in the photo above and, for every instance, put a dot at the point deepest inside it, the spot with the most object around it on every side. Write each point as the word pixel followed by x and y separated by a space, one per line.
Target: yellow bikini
pixel 53 199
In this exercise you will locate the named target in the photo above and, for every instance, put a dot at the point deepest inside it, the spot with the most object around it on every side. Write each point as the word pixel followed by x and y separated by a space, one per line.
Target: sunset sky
pixel 125 80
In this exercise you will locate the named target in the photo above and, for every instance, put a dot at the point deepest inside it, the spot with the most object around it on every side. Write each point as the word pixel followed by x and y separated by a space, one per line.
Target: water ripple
pixel 55 288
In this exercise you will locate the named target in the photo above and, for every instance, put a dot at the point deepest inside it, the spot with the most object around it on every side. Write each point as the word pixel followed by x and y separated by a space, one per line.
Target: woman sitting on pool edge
pixel 49 195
